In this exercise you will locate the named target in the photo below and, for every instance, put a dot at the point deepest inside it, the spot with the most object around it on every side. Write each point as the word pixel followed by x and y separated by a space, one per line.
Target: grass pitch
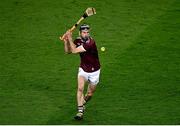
pixel 140 73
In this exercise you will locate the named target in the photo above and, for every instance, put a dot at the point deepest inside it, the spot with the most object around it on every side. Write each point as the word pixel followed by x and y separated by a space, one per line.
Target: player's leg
pixel 80 97
pixel 90 91
pixel 80 90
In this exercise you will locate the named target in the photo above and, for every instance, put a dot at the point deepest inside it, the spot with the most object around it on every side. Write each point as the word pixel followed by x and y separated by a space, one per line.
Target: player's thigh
pixel 81 82
pixel 82 74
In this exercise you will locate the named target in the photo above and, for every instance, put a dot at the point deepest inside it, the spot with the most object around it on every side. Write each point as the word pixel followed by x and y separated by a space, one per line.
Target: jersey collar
pixel 87 41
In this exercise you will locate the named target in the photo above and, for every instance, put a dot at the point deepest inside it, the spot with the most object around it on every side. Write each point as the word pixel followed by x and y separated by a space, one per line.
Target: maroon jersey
pixel 89 58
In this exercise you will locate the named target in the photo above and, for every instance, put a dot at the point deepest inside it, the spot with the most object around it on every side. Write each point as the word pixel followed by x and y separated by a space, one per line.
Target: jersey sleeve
pixel 76 42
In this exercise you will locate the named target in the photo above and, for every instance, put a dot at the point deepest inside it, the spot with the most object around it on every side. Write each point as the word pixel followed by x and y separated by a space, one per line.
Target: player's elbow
pixel 78 50
pixel 74 52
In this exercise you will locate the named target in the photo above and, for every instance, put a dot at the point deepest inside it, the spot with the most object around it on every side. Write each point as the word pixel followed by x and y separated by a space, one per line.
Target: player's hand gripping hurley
pixel 89 12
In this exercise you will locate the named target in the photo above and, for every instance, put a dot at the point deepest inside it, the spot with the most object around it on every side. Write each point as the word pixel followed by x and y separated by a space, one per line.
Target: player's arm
pixel 73 47
pixel 67 48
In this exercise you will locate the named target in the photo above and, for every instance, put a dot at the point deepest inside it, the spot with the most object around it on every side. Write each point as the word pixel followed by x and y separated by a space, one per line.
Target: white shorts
pixel 93 77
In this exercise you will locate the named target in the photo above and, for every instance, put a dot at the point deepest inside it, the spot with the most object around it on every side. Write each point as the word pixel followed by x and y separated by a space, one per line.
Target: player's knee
pixel 80 90
pixel 90 94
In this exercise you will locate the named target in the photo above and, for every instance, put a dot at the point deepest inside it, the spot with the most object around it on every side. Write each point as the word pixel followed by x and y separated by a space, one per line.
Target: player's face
pixel 85 33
